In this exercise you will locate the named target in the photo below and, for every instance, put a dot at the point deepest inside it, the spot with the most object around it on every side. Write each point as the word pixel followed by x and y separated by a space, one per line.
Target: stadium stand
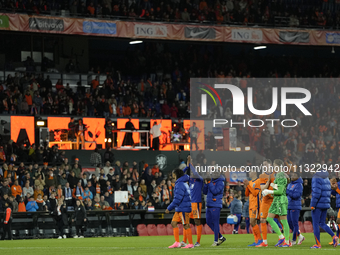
pixel 246 13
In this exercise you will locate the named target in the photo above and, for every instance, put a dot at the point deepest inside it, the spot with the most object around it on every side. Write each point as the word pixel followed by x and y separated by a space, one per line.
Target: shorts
pixel 196 210
pixel 254 213
pixel 264 209
pixel 278 208
pixel 183 218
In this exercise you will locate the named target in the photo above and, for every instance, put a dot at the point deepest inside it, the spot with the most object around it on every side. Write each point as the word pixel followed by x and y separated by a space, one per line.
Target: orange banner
pixel 22 128
pixel 171 31
pixel 164 140
pixel 121 125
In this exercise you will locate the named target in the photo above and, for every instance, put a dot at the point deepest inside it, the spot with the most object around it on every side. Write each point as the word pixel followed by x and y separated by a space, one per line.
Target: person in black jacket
pixel 7 225
pixel 128 139
pixel 60 215
pixel 79 218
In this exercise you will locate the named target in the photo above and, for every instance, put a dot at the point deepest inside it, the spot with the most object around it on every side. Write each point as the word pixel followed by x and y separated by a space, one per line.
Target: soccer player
pixel 279 205
pixel 253 189
pixel 266 178
pixel 321 201
pixel 294 193
pixel 214 190
pixel 196 185
pixel 182 205
pixel 336 192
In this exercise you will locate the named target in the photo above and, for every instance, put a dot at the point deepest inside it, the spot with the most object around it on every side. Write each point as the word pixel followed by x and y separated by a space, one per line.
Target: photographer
pixel 79 218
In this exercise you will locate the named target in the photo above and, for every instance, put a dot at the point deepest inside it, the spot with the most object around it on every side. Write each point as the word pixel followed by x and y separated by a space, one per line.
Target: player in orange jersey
pixel 253 191
pixel 265 179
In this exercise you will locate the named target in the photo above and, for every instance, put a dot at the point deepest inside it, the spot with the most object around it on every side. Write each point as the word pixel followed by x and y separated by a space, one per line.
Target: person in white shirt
pixel 155 131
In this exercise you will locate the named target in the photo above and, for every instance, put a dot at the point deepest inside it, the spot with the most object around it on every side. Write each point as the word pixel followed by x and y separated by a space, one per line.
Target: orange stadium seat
pixel 308 227
pixel 208 230
pixel 161 230
pixel 142 230
pixel 152 230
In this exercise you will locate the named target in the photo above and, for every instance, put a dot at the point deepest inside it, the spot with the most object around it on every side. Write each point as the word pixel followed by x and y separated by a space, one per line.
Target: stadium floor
pixel 155 245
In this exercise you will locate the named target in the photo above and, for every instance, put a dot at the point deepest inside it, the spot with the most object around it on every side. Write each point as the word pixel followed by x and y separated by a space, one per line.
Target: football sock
pixel 189 235
pixel 184 236
pixel 285 229
pixel 264 231
pixel 274 226
pixel 256 231
pixel 199 233
pixel 176 234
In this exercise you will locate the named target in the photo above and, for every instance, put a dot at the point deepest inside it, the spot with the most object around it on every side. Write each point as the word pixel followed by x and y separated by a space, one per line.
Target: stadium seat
pixel 230 229
pixel 180 229
pixel 301 227
pixel 152 230
pixel 250 230
pixel 308 227
pixel 221 229
pixel 161 230
pixel 208 230
pixel 169 230
pixel 269 229
pixel 203 230
pixel 142 230
pixel 193 229
pixel 242 231
pixel 227 228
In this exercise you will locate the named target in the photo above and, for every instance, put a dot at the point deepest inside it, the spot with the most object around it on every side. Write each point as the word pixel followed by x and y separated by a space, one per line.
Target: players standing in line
pixel 279 205
pixel 214 188
pixel 336 192
pixel 294 194
pixel 320 203
pixel 266 178
pixel 196 185
pixel 253 189
pixel 182 205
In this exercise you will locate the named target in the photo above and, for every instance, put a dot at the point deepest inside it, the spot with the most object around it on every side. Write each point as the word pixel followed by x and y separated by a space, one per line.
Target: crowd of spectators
pixel 37 187
pixel 154 82
pixel 298 13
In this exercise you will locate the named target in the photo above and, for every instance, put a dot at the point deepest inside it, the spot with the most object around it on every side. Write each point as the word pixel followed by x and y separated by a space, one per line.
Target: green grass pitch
pixel 236 244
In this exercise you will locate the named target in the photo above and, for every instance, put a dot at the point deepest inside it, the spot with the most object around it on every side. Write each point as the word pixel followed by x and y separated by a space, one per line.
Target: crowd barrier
pixel 33 225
